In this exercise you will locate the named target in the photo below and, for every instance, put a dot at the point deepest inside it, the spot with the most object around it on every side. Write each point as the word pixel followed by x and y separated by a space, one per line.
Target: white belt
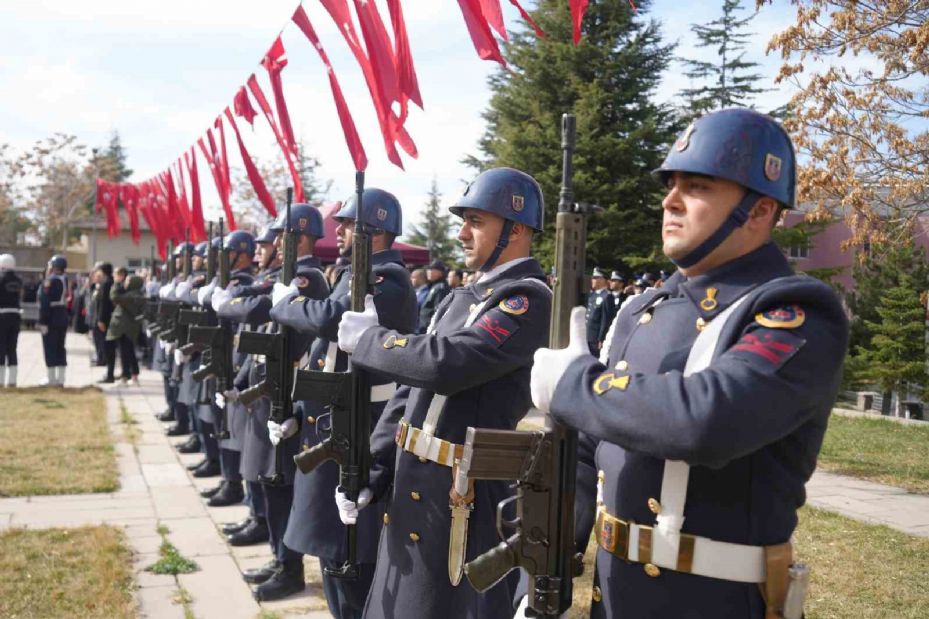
pixel 382 393
pixel 427 446
pixel 10 310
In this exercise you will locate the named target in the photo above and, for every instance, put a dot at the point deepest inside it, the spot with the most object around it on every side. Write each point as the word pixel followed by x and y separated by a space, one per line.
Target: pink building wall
pixel 826 248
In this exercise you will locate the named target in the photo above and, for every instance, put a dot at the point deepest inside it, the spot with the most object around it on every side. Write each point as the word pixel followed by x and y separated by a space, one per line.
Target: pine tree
pixel 896 355
pixel 435 229
pixel 608 82
pixel 727 82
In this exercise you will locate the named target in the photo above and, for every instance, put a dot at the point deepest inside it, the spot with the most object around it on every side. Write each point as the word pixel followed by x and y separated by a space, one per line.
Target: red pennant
pixel 493 15
pixel 107 194
pixel 212 158
pixel 190 159
pixel 181 189
pixel 578 8
pixel 266 110
pixel 352 140
pixel 406 72
pixel 526 16
pixel 275 61
pixel 257 182
pixel 129 195
pixel 243 107
pixel 481 37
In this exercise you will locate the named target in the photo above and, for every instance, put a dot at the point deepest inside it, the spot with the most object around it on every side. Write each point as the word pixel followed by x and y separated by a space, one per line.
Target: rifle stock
pixel 331 389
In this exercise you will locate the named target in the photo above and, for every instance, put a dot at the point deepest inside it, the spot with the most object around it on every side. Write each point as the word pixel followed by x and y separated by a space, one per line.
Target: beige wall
pixel 120 250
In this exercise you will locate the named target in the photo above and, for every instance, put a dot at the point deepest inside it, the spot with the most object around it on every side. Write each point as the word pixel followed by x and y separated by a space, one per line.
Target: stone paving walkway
pixel 155 489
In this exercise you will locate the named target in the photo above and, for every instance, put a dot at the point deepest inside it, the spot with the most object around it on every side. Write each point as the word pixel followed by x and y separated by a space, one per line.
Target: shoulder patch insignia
pixel 608 381
pixel 236 300
pixel 516 305
pixel 297 299
pixel 787 317
pixel 300 281
pixel 394 341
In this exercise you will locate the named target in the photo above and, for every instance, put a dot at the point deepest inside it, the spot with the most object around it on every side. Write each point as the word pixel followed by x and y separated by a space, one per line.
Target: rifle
pixel 151 303
pixel 198 316
pixel 183 309
pixel 167 310
pixel 279 369
pixel 543 462
pixel 348 395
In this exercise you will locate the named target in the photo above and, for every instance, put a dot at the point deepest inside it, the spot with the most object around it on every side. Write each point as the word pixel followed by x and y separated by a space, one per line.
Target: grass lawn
pixel 85 572
pixel 878 450
pixel 55 441
pixel 859 571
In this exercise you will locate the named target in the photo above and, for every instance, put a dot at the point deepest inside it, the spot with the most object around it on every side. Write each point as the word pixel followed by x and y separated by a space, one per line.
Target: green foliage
pixel 727 81
pixel 171 561
pixel 435 231
pixel 608 82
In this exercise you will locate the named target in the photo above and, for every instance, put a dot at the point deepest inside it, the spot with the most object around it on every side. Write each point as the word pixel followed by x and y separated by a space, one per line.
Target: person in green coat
pixel 126 323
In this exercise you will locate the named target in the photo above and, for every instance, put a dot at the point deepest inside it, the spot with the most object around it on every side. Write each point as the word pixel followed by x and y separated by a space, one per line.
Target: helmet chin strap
pixel 502 242
pixel 736 219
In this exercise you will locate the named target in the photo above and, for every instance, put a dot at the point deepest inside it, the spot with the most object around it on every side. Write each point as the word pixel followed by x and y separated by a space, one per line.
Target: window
pixel 799 251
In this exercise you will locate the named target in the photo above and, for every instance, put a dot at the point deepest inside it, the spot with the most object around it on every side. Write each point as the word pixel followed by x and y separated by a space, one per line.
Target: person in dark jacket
pixel 436 290
pixel 11 289
pixel 103 312
pixel 126 321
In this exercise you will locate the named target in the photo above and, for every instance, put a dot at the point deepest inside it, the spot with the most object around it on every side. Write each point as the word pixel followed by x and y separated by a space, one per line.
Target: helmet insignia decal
pixel 772 167
pixel 519 203
pixel 381 214
pixel 302 222
pixel 243 245
pixel 684 141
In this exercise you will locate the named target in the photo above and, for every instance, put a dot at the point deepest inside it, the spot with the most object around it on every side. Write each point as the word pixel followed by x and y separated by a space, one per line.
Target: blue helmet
pixel 200 249
pixel 381 211
pixel 216 242
pixel 740 145
pixel 182 248
pixel 304 219
pixel 58 262
pixel 506 192
pixel 267 235
pixel 239 242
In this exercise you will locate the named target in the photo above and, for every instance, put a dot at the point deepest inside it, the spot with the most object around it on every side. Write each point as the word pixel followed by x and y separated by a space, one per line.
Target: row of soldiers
pixel 699 422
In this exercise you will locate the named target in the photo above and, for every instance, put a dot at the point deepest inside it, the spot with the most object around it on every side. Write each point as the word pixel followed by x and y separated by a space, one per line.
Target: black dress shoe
pixel 258 575
pixel 190 446
pixel 106 380
pixel 230 493
pixel 234 527
pixel 166 415
pixel 177 430
pixel 210 468
pixel 210 492
pixel 197 465
pixel 255 533
pixel 286 581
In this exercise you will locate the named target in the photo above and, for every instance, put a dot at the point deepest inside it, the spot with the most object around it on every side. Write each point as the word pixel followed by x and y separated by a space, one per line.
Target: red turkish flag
pixel 578 8
pixel 352 140
pixel 107 194
pixel 242 106
pixel 288 155
pixel 129 195
pixel 190 159
pixel 493 15
pixel 257 182
pixel 406 72
pixel 275 61
pixel 526 16
pixel 181 188
pixel 481 36
pixel 213 160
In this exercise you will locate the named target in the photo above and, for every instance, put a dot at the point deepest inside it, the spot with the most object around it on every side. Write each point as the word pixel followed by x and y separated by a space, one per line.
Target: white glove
pixel 348 510
pixel 524 606
pixel 354 324
pixel 204 294
pixel 281 292
pixel 220 400
pixel 182 289
pixel 280 431
pixel 148 332
pixel 165 291
pixel 180 357
pixel 549 365
pixel 43 329
pixel 220 297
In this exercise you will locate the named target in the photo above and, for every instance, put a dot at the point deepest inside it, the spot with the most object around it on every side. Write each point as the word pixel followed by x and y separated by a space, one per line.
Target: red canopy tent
pixel 327 250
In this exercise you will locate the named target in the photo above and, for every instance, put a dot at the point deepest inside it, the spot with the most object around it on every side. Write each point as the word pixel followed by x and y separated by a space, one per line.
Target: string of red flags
pixel 171 203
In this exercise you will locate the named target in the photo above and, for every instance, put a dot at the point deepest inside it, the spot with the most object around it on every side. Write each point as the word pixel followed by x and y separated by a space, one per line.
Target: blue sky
pixel 159 73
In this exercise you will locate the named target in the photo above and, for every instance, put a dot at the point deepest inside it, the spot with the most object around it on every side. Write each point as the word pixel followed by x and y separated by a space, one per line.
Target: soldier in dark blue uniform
pixel 314 527
pixel 617 284
pixel 53 319
pixel 470 369
pixel 252 306
pixel 599 311
pixel 11 291
pixel 706 419
pixel 185 423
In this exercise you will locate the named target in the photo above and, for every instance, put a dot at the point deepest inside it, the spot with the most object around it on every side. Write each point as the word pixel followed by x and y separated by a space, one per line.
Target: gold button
pixel 655 506
pixel 471 309
pixel 645 319
pixel 414 537
pixel 622 365
pixel 311 419
pixel 597 595
pixel 423 460
pixel 414 495
pixel 701 324
pixel 386 518
pixel 652 570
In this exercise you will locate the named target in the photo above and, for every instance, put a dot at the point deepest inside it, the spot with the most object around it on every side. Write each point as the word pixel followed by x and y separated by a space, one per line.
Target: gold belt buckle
pixel 402 429
pixel 613 534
